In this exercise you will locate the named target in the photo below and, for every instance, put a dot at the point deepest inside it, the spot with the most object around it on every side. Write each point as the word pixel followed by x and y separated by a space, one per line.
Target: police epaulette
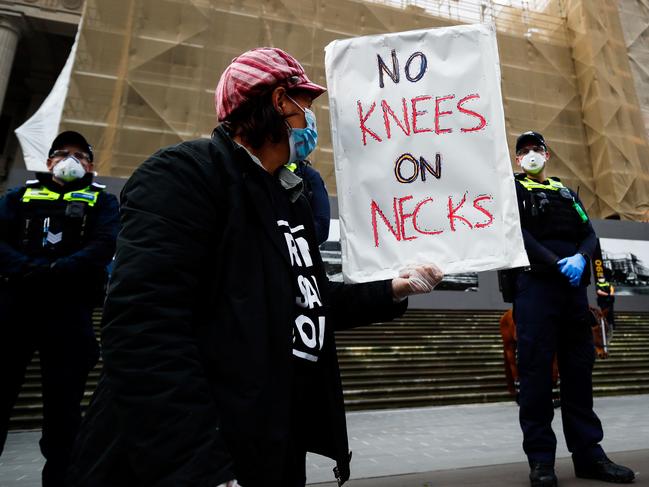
pixel 554 178
pixel 31 183
pixel 98 186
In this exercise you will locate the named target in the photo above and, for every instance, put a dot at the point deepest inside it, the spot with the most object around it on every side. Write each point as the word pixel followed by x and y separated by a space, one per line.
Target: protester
pixel 219 351
pixel 551 315
pixel 57 234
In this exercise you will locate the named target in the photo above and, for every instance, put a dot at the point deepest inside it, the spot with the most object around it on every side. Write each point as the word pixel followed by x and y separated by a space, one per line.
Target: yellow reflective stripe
pixel 42 194
pixel 292 166
pixel 83 195
pixel 530 184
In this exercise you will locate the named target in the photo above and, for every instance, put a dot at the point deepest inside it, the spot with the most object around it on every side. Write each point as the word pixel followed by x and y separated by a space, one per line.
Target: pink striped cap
pixel 255 71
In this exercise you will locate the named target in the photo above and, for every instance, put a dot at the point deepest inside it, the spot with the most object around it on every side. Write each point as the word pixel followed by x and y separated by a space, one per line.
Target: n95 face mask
pixel 69 169
pixel 533 162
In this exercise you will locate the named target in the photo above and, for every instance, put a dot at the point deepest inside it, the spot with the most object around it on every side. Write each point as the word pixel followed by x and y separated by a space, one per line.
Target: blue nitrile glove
pixel 572 268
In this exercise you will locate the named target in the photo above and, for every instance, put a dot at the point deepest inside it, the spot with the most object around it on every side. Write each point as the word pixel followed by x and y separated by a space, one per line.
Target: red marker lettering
pixel 476 205
pixel 452 213
pixel 416 214
pixel 388 110
pixel 439 114
pixel 416 113
pixel 363 120
pixel 404 217
pixel 396 230
pixel 482 124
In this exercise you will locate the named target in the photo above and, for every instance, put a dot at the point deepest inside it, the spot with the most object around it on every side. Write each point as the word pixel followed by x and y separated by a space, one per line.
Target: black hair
pixel 257 121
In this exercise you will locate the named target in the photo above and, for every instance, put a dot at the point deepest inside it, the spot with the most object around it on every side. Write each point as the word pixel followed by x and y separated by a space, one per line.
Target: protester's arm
pixel 362 304
pixel 151 359
pixel 100 246
pixel 12 261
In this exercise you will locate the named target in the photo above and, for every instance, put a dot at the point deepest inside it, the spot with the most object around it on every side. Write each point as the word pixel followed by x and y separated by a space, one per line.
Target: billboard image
pixel 627 263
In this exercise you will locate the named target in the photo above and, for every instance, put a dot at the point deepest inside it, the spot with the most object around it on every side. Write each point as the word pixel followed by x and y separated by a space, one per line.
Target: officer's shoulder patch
pixel 32 182
pixel 554 178
pixel 96 185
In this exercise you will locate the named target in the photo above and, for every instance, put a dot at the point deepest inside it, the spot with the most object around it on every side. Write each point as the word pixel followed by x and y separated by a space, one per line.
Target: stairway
pixel 427 358
pixel 456 357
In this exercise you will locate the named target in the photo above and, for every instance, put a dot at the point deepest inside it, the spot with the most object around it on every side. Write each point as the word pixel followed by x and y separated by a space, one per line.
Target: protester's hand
pixel 572 268
pixel 416 280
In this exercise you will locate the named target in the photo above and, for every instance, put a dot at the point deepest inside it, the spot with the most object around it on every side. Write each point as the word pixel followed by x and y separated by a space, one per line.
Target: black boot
pixel 542 475
pixel 605 470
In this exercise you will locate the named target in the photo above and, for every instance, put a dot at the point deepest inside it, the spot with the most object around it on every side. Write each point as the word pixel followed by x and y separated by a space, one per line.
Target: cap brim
pixel 314 89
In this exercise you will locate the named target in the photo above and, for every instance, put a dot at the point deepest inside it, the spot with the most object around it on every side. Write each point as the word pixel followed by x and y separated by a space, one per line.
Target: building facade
pixel 145 71
pixel 35 39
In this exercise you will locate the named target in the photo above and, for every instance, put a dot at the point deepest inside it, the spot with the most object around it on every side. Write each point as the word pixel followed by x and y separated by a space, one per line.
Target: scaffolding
pixel 146 70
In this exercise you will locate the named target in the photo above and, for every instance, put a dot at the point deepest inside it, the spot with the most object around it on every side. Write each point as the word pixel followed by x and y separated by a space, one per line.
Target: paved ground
pixel 403 441
pixel 390 446
pixel 506 475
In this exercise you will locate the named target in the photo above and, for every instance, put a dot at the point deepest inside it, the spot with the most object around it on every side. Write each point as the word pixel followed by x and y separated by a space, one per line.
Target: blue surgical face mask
pixel 302 141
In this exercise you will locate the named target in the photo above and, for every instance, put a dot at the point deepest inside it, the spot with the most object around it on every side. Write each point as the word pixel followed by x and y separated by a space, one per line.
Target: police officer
pixel 604 289
pixel 57 234
pixel 606 297
pixel 551 315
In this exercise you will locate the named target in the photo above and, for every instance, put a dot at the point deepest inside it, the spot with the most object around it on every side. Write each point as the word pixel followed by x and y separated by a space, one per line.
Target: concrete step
pixel 426 358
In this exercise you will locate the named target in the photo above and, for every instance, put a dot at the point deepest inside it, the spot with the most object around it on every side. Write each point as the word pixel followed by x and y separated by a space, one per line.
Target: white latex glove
pixel 416 280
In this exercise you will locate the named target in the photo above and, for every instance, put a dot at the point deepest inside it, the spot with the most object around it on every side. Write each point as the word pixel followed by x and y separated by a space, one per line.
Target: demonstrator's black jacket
pixel 197 332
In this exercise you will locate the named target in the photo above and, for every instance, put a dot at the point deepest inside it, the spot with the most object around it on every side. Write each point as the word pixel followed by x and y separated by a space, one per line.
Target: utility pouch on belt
pixel 507 284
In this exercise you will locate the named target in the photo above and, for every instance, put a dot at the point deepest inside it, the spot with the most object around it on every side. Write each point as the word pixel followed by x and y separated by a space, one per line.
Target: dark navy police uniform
pixel 55 243
pixel 552 317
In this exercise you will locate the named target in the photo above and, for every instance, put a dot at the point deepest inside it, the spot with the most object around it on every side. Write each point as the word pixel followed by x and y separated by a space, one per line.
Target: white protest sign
pixel 422 164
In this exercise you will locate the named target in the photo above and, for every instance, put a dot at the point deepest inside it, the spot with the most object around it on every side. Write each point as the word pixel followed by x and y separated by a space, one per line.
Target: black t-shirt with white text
pixel 308 312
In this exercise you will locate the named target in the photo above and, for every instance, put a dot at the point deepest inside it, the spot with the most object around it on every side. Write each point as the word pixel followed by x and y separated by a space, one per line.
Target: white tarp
pixel 37 133
pixel 422 164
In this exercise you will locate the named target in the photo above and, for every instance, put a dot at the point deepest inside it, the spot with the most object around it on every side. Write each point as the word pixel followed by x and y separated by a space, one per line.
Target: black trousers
pixel 60 329
pixel 552 317
pixel 607 302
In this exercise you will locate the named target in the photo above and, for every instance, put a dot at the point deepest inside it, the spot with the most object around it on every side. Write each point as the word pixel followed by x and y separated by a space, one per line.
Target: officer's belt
pixel 540 269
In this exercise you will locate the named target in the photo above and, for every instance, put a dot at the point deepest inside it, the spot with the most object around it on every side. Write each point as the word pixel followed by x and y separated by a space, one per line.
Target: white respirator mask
pixel 533 162
pixel 69 169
